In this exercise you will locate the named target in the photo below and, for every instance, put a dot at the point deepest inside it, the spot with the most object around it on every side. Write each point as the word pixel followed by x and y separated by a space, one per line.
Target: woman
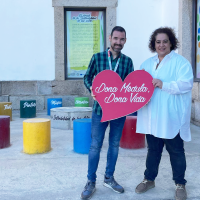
pixel 166 118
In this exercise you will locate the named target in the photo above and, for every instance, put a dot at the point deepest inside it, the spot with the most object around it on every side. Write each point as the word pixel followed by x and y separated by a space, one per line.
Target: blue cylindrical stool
pixel 82 135
pixel 53 103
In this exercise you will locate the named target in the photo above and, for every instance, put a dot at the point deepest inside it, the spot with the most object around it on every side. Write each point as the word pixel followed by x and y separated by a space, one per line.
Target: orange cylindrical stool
pixel 130 139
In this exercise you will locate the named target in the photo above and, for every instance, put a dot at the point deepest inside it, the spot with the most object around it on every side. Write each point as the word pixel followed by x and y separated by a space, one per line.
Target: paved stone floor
pixel 61 173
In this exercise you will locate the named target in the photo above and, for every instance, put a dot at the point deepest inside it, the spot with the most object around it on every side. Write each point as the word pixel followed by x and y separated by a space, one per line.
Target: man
pixel 114 60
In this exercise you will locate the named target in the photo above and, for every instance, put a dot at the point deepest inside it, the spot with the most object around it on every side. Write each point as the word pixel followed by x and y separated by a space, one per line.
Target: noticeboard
pixel 85 37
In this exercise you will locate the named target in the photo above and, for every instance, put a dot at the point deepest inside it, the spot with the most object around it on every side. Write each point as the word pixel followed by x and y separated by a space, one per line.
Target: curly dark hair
pixel 170 33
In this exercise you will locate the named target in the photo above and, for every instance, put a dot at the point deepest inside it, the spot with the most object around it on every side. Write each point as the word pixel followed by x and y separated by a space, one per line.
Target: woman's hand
pixel 157 83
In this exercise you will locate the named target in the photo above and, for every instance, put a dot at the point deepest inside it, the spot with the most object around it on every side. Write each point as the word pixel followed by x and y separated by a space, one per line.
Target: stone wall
pixel 14 91
pixel 195 115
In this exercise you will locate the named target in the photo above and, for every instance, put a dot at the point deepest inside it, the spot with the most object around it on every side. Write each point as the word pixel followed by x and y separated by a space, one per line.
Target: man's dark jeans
pixel 175 148
pixel 98 133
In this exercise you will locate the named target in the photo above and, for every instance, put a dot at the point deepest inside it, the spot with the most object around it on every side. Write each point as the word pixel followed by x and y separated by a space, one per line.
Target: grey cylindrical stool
pixel 82 135
pixel 63 117
pixel 27 108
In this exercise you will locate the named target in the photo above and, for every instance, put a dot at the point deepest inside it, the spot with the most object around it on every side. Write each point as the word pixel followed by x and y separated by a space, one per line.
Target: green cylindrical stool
pixel 27 108
pixel 6 109
pixel 81 102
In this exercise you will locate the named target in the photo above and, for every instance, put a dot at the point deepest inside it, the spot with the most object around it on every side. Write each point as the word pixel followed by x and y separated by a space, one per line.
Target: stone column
pixel 186 48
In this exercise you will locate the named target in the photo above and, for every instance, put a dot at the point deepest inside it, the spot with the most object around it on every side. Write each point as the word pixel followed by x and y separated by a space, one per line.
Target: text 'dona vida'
pixel 135 93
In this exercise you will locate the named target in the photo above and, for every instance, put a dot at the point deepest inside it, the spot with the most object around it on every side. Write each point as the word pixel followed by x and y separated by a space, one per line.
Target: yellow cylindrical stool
pixel 6 109
pixel 36 135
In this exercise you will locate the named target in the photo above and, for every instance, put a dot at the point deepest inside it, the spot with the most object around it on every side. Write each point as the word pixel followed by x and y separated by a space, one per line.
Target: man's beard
pixel 116 49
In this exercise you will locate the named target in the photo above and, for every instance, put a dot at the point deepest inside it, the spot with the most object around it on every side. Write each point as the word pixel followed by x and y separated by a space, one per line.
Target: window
pixel 84 36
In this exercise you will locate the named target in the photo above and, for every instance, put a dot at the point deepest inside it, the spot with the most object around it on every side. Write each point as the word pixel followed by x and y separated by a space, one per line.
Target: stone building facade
pixel 14 91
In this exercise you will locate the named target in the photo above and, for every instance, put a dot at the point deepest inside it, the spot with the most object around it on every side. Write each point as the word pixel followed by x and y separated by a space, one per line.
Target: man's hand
pixel 93 96
pixel 157 83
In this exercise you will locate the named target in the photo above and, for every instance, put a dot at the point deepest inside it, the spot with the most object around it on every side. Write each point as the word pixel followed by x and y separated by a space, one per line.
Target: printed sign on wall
pixel 119 98
pixel 85 37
